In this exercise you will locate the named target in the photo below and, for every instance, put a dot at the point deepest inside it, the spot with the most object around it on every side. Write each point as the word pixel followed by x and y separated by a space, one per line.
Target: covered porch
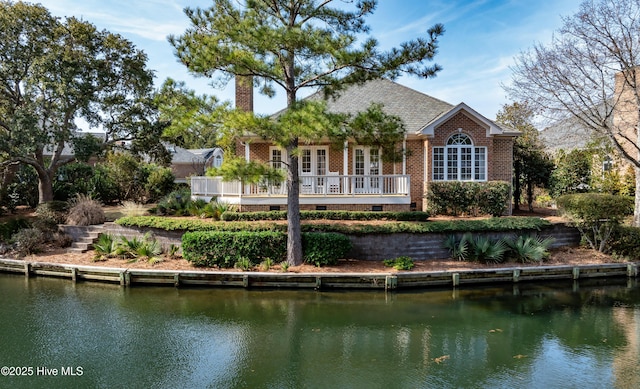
pixel 320 191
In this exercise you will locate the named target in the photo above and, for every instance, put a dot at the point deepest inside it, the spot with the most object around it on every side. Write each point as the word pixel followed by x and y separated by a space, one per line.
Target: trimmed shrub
pixel 85 211
pixel 625 242
pixel 492 224
pixel 492 197
pixel 468 198
pixel 327 215
pixel 596 215
pixel 451 197
pixel 223 249
pixel 322 249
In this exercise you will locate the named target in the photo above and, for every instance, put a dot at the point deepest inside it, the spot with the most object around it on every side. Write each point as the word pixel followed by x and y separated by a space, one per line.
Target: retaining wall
pixel 386 281
pixel 429 246
pixel 376 247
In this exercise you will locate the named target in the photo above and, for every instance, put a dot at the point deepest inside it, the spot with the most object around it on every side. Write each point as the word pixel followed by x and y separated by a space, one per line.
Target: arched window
pixel 459 160
pixel 217 161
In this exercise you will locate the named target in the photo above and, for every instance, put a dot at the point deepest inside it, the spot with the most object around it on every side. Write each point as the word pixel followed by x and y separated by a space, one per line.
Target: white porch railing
pixel 327 185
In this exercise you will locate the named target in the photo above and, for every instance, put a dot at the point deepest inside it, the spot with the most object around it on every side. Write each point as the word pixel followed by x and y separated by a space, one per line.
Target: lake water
pixel 57 334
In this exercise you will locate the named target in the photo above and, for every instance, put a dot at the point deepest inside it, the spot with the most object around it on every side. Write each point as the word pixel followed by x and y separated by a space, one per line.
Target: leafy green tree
pixel 54 72
pixel 532 166
pixel 193 121
pixel 296 44
pixel 573 172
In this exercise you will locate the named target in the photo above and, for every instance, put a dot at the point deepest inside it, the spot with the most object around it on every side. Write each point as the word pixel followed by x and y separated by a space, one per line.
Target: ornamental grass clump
pixel 85 211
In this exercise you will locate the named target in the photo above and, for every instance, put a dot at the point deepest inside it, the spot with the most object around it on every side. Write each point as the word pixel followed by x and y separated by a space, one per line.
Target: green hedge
pixel 596 215
pixel 327 215
pixel 224 248
pixel 324 248
pixel 490 224
pixel 625 242
pixel 591 207
pixel 470 198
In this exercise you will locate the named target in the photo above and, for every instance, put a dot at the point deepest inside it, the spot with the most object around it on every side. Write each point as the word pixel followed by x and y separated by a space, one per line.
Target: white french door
pixel 313 162
pixel 366 163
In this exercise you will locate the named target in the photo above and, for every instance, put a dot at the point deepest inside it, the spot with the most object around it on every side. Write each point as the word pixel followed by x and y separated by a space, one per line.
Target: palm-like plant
pixel 127 248
pixel 458 249
pixel 149 249
pixel 104 247
pixel 530 248
pixel 485 250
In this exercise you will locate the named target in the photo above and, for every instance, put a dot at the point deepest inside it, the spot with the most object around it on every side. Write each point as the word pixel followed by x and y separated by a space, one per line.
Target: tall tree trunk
pixel 45 187
pixel 294 229
pixel 517 189
pixel 636 208
pixel 530 194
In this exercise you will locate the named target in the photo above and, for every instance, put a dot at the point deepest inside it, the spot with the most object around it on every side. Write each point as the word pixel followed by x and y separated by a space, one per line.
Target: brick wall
pixel 183 170
pixel 499 150
pixel 502 160
pixel 244 93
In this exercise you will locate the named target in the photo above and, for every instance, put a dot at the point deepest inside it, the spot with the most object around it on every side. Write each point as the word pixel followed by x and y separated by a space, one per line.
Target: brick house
pixel 443 142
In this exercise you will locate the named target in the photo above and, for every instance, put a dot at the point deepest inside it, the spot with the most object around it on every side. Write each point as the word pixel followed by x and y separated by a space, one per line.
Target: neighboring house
pixel 443 142
pixel 565 135
pixel 212 156
pixel 569 134
pixel 184 162
pixel 192 162
pixel 68 151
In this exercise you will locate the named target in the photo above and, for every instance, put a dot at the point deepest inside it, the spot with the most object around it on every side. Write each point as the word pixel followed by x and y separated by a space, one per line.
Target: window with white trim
pixel 217 161
pixel 276 158
pixel 459 160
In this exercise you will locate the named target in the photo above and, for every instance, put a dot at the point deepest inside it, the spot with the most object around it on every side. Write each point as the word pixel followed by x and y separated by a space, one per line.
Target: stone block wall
pixel 378 247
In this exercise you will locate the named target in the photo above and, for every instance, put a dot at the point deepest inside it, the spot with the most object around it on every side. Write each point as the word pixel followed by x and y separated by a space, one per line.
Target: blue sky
pixel 481 40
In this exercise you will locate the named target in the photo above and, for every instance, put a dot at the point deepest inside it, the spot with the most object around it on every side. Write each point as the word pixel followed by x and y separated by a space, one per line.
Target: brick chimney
pixel 625 113
pixel 244 93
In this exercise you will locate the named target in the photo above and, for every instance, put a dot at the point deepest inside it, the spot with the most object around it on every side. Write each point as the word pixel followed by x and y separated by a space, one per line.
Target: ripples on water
pixel 549 335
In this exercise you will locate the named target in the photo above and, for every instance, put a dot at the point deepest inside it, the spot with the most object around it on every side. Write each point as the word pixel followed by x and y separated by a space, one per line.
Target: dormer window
pixel 459 160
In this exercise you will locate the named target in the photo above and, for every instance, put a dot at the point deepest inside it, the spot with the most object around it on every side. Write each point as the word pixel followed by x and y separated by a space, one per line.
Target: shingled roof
pixel 416 109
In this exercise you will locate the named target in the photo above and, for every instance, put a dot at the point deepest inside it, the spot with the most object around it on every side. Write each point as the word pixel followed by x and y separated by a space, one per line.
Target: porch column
pixel 345 158
pixel 246 151
pixel 404 155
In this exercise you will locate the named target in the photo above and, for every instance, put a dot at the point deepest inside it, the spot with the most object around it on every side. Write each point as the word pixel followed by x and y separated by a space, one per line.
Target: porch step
pixel 83 237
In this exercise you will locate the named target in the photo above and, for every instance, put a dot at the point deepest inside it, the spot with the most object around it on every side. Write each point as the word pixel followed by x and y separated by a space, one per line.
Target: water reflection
pixel 582 335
